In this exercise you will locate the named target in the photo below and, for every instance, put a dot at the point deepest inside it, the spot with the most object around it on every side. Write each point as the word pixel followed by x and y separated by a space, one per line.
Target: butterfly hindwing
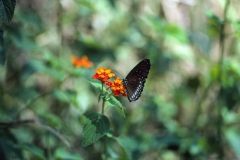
pixel 134 82
pixel 135 87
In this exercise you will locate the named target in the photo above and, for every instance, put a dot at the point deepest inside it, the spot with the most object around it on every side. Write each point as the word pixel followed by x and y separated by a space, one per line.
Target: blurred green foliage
pixel 189 108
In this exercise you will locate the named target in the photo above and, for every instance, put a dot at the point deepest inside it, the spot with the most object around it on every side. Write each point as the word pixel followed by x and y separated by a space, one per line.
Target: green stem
pixel 198 108
pixel 103 105
pixel 104 100
pixel 105 138
pixel 219 108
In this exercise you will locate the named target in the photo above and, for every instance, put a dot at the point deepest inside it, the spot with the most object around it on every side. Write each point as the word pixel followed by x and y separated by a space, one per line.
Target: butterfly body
pixel 135 80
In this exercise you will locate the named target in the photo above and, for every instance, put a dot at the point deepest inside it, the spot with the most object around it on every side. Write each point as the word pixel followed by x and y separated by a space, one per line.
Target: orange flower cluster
pixel 81 62
pixel 103 75
pixel 117 87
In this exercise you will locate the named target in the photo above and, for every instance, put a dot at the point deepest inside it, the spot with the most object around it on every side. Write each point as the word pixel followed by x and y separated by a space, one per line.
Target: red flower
pixel 103 74
pixel 117 87
pixel 81 62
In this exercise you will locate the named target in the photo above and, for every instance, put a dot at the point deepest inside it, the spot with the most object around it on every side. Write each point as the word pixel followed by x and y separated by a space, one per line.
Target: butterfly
pixel 134 82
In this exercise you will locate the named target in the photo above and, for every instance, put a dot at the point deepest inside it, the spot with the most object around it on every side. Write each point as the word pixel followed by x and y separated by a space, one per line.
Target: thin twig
pixel 13 124
pixel 53 131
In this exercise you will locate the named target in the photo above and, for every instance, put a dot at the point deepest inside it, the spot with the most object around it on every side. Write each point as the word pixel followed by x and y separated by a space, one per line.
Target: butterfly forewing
pixel 134 82
pixel 141 69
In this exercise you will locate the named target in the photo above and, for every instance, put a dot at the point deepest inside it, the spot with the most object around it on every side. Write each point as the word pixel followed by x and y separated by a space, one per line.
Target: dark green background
pixel 189 108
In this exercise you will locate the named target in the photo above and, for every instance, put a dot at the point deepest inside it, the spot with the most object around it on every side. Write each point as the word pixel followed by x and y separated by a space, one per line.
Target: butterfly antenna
pixel 118 73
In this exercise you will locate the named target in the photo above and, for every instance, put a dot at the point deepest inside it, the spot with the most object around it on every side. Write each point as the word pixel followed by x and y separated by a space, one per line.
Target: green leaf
pixel 25 93
pixel 127 144
pixel 95 126
pixel 33 149
pixel 97 86
pixel 60 95
pixel 6 10
pixel 63 154
pixel 214 23
pixel 120 110
pixel 234 141
pixel 68 96
pixel 100 97
pixel 52 120
pixel 2 53
pixel 7 141
pixel 113 102
pixel 41 66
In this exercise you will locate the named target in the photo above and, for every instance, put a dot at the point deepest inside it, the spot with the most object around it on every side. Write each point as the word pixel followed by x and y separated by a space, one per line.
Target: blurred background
pixel 189 108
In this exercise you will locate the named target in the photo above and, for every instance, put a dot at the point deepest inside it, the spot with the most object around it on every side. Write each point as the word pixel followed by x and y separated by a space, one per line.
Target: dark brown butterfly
pixel 134 82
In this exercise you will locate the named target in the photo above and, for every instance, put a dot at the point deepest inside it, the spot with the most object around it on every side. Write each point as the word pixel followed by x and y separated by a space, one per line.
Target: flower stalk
pixel 103 105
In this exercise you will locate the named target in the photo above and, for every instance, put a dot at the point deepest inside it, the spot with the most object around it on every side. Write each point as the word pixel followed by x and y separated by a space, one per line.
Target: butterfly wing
pixel 134 82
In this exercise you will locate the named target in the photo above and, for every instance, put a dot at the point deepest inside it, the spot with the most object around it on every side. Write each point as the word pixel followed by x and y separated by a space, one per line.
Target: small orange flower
pixel 103 74
pixel 81 62
pixel 117 87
